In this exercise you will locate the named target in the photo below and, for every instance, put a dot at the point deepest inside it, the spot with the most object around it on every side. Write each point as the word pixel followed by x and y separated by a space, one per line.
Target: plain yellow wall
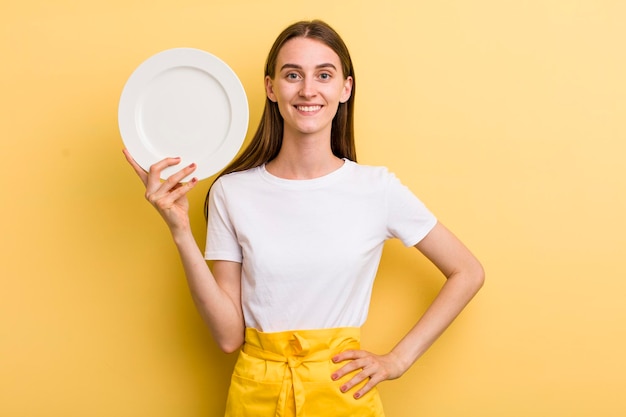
pixel 505 117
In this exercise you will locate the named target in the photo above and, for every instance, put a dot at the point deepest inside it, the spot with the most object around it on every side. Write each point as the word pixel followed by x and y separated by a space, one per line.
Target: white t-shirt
pixel 310 249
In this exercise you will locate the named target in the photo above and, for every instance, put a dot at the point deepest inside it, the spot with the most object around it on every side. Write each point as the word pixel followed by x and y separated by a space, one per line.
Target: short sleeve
pixel 408 219
pixel 221 240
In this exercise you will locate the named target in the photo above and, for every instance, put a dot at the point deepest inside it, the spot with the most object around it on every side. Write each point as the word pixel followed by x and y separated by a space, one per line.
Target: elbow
pixel 478 276
pixel 228 349
pixel 231 345
pixel 472 275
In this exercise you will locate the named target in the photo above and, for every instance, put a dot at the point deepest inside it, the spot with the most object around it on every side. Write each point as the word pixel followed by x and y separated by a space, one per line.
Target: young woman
pixel 296 229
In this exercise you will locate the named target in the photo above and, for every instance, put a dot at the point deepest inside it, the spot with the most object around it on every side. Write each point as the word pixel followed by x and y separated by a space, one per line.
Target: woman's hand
pixel 169 197
pixel 374 369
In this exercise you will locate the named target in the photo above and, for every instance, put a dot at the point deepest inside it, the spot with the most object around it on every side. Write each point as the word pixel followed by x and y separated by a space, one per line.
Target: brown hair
pixel 268 139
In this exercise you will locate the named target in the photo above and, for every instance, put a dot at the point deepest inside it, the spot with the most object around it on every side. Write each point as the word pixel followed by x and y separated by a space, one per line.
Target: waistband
pixel 309 345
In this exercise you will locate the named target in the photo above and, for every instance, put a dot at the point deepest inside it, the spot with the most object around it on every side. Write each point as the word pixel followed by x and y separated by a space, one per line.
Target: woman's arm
pixel 465 276
pixel 217 295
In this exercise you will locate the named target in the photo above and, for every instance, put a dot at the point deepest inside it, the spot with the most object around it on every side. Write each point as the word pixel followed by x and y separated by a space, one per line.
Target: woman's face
pixel 308 86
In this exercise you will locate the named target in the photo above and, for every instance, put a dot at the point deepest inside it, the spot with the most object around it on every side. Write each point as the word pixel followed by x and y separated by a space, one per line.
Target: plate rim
pixel 171 59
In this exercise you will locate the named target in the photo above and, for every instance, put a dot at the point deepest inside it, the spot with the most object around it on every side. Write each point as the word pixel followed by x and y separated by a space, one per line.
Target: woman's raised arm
pixel 217 295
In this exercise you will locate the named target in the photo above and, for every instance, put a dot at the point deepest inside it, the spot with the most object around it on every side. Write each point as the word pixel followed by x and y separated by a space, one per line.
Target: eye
pixel 325 76
pixel 292 76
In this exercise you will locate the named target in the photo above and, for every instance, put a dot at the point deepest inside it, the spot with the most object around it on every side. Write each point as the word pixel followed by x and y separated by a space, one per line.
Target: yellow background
pixel 506 117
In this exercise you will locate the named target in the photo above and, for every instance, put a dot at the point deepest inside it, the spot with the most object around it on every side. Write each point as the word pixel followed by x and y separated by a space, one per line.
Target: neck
pixel 304 157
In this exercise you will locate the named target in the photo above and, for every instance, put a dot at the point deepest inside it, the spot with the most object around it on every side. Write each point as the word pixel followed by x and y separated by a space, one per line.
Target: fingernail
pixel 343 388
pixel 192 165
pixel 335 359
pixel 357 395
pixel 334 376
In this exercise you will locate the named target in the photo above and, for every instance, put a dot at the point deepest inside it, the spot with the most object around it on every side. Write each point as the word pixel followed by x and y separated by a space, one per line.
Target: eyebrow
pixel 295 66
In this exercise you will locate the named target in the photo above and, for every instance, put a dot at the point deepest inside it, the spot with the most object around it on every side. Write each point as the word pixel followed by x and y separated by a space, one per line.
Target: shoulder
pixel 371 173
pixel 229 186
pixel 382 181
pixel 236 178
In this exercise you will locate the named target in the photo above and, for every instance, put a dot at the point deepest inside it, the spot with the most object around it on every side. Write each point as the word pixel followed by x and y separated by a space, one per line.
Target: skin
pixel 216 294
pixel 308 87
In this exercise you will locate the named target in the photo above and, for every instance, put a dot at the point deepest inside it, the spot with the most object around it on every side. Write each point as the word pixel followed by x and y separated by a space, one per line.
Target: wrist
pixel 182 235
pixel 403 359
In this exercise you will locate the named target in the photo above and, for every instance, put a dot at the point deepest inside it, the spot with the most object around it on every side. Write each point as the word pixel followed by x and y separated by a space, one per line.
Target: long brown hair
pixel 268 139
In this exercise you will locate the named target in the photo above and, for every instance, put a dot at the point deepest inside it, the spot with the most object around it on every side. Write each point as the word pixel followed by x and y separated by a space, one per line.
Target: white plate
pixel 185 103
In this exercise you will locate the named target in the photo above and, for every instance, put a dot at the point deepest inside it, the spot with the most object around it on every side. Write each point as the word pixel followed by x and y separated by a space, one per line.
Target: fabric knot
pixel 293 350
pixel 294 362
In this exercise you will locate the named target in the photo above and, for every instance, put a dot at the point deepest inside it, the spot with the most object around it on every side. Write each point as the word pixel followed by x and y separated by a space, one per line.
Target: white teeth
pixel 309 108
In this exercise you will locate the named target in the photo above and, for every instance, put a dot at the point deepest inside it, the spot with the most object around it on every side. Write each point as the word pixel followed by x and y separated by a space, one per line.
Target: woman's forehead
pixel 306 51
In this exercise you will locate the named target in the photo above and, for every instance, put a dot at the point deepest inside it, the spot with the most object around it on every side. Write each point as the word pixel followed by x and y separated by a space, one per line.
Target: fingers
pixel 348 355
pixel 373 370
pixel 357 361
pixel 152 178
pixel 163 193
pixel 167 197
pixel 154 174
pixel 143 175
pixel 171 189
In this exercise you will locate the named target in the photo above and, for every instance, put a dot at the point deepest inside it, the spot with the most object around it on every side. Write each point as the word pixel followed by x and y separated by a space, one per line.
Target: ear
pixel 347 90
pixel 269 89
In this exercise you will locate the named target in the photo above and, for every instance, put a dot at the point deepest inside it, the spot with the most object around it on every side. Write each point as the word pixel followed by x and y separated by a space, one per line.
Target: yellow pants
pixel 287 374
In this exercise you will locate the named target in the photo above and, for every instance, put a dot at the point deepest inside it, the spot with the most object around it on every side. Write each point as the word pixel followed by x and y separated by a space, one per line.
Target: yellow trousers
pixel 288 374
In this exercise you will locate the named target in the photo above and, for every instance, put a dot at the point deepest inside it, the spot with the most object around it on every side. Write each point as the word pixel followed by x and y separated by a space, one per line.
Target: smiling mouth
pixel 308 109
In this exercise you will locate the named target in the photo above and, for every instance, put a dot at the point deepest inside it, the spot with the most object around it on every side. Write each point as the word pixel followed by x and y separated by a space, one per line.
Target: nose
pixel 308 88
